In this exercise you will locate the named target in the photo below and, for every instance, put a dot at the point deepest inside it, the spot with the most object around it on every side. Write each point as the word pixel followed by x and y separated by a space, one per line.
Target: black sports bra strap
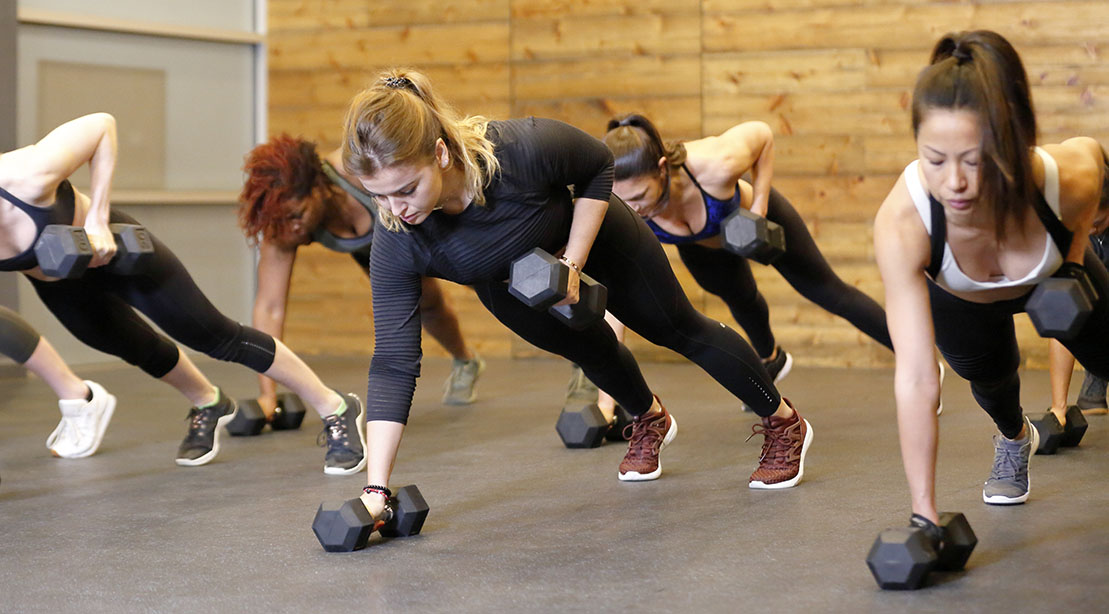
pixel 1059 233
pixel 17 202
pixel 692 178
pixel 939 237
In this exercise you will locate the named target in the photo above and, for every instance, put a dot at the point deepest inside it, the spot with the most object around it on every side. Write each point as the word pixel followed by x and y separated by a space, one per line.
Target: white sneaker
pixel 83 424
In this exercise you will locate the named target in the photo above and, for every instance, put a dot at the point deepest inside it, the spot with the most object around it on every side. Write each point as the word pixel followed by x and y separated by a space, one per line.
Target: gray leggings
pixel 17 339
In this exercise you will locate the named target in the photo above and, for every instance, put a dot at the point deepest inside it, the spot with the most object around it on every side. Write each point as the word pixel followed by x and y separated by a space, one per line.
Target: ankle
pixel 207 399
pixel 784 412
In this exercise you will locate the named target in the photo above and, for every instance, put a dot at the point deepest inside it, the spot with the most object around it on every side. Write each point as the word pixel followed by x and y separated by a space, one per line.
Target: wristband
pixel 381 490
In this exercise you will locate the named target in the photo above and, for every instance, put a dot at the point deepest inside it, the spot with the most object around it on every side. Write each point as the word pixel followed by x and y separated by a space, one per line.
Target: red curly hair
pixel 281 176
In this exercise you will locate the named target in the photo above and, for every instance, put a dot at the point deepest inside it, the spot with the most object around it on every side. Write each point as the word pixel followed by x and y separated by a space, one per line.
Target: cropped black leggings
pixel 97 309
pixel 979 341
pixel 644 294
pixel 18 339
pixel 728 276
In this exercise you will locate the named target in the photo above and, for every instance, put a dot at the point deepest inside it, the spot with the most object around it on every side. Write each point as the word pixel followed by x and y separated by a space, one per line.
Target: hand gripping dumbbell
pixel 1054 435
pixel 753 236
pixel 901 558
pixel 346 526
pixel 251 419
pixel 1061 304
pixel 65 251
pixel 540 280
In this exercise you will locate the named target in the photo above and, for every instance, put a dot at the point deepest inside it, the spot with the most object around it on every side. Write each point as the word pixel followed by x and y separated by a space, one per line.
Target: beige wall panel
pixel 855 197
pixel 600 8
pixel 902 26
pixel 572 37
pixel 607 77
pixel 1081 62
pixel 469 43
pixel 859 112
pixel 676 118
pixel 465 86
pixel 286 15
pixel 782 72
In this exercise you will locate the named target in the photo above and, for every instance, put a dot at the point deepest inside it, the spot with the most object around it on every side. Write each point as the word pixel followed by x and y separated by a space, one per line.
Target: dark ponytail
pixel 637 146
pixel 981 72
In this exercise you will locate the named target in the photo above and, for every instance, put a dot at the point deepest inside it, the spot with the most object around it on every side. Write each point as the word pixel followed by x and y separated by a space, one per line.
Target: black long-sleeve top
pixel 528 204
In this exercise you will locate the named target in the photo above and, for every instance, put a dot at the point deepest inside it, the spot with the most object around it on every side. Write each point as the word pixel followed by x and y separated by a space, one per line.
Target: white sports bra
pixel 950 276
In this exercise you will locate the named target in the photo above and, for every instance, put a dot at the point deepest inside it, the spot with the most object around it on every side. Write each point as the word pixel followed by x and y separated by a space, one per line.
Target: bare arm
pixel 1080 178
pixel 89 139
pixel 588 215
pixel 275 270
pixel 902 252
pixel 750 147
pixel 382 442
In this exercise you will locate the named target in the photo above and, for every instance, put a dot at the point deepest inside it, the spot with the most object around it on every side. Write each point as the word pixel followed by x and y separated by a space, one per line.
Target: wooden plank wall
pixel 832 77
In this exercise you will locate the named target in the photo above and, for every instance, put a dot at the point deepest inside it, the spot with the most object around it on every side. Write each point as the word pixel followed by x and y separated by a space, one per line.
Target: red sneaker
pixel 649 435
pixel 785 443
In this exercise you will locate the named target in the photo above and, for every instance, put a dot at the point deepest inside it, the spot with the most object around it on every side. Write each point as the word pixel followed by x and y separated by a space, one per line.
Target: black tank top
pixel 61 212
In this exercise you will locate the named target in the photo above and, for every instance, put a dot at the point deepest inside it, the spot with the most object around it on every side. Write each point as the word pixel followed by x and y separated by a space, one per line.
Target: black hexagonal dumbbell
pixel 134 249
pixel 581 425
pixel 540 280
pixel 1061 304
pixel 1050 431
pixel 616 431
pixel 63 251
pixel 346 526
pixel 289 413
pixel 1075 428
pixel 753 236
pixel 249 421
pixel 901 558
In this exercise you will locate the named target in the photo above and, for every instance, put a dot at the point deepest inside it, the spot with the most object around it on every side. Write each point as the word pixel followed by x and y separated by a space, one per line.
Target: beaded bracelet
pixel 381 490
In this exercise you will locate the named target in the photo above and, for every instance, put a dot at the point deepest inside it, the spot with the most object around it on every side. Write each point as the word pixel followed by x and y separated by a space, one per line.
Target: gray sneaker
pixel 459 387
pixel 580 388
pixel 201 445
pixel 1091 399
pixel 1008 482
pixel 345 436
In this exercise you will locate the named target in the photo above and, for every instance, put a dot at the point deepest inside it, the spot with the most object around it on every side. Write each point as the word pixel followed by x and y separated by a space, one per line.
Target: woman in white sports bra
pixel 970 228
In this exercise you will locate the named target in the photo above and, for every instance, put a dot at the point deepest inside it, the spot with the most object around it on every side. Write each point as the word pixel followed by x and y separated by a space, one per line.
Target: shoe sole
pixel 221 422
pixel 635 476
pixel 473 392
pixel 790 483
pixel 101 428
pixel 360 426
pixel 1002 499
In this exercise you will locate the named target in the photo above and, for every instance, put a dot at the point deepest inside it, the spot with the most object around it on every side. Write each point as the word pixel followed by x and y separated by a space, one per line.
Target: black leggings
pixel 644 294
pixel 728 276
pixel 97 309
pixel 979 341
pixel 18 339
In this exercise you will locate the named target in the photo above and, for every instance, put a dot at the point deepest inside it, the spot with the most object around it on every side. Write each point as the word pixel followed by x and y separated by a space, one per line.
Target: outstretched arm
pixel 275 270
pixel 902 254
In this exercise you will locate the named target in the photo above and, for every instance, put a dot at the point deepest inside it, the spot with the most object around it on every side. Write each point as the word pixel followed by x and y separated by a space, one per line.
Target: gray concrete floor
pixel 518 523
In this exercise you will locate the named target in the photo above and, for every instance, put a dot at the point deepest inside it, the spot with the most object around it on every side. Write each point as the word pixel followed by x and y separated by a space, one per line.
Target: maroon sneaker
pixel 649 435
pixel 785 443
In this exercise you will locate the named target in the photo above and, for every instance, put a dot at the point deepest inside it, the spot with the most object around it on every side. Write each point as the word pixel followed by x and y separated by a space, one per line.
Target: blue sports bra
pixel 61 212
pixel 715 212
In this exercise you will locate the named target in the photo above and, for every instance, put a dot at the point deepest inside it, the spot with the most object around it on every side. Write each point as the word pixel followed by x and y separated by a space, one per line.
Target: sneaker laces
pixel 198 423
pixel 1007 462
pixel 776 444
pixel 463 373
pixel 646 436
pixel 334 433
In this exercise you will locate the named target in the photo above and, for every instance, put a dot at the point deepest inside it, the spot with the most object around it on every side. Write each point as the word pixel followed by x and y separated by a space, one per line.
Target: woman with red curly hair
pixel 292 197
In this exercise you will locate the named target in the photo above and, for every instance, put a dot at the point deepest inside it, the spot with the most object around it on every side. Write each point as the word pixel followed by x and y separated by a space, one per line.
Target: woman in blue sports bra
pixel 684 190
pixel 99 307
pixel 970 228
pixel 292 197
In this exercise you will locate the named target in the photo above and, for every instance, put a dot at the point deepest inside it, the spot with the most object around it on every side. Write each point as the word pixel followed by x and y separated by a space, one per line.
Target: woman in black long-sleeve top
pixel 460 199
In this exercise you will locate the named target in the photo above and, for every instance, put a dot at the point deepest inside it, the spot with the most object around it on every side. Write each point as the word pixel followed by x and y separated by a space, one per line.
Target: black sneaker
pixel 778 368
pixel 345 452
pixel 201 445
pixel 1091 399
